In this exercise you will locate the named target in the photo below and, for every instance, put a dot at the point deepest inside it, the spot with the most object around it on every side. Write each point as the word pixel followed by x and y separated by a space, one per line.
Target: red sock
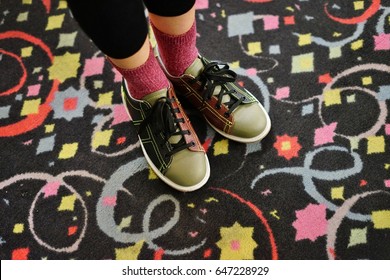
pixel 177 52
pixel 144 79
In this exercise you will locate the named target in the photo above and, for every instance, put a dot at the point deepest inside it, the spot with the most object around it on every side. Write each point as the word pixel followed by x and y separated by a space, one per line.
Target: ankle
pixel 144 79
pixel 177 52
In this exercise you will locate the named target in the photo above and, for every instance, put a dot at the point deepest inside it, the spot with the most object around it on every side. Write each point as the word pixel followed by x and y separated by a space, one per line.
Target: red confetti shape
pixel 72 230
pixel 159 254
pixel 375 6
pixel 20 254
pixel 287 146
pixel 207 253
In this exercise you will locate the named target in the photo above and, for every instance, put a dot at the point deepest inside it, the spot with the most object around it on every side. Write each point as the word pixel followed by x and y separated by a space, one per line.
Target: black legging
pixel 119 27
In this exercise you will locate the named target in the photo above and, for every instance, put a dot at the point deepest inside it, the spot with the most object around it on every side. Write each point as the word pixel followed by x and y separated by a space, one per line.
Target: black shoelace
pixel 163 122
pixel 218 74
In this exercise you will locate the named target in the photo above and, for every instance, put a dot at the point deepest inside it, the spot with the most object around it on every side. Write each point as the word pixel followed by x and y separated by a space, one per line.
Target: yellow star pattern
pixel 236 243
pixel 64 67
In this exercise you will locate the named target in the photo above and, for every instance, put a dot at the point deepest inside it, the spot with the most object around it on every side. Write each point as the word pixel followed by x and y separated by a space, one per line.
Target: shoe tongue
pixel 152 97
pixel 195 68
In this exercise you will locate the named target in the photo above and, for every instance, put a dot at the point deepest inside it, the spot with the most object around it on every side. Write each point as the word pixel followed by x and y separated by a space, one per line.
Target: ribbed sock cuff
pixel 177 52
pixel 144 79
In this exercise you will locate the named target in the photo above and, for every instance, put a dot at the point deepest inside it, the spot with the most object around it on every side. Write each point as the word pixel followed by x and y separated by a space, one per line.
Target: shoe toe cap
pixel 251 121
pixel 189 170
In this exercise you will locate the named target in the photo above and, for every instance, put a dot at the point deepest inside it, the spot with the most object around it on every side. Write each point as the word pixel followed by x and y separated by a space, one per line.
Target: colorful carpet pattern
pixel 74 183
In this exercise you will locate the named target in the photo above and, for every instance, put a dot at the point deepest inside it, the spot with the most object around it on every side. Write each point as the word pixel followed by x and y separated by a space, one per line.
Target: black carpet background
pixel 74 183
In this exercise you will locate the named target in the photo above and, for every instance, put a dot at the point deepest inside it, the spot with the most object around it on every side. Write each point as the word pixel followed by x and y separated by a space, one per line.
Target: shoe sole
pixel 242 139
pixel 160 175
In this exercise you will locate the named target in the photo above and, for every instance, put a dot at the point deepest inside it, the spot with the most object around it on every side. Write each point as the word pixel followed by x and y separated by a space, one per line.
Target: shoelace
pixel 218 74
pixel 162 120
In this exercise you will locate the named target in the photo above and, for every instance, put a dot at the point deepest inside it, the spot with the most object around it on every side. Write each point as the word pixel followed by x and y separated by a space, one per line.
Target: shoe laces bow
pixel 218 74
pixel 164 123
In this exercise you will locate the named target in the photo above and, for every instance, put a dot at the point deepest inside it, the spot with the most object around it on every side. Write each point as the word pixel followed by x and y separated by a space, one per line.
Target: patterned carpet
pixel 74 183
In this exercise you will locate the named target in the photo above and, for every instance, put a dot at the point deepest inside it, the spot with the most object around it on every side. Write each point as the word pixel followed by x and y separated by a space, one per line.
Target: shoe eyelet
pixel 192 144
pixel 226 114
pixel 218 107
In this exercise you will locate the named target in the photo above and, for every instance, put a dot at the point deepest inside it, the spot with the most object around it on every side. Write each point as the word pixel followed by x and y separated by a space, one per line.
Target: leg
pixel 173 22
pixel 119 29
pixel 135 60
pixel 211 87
pixel 174 25
pixel 168 141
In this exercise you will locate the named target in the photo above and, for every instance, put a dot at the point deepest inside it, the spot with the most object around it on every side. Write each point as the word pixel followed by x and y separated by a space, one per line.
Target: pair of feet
pixel 168 140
